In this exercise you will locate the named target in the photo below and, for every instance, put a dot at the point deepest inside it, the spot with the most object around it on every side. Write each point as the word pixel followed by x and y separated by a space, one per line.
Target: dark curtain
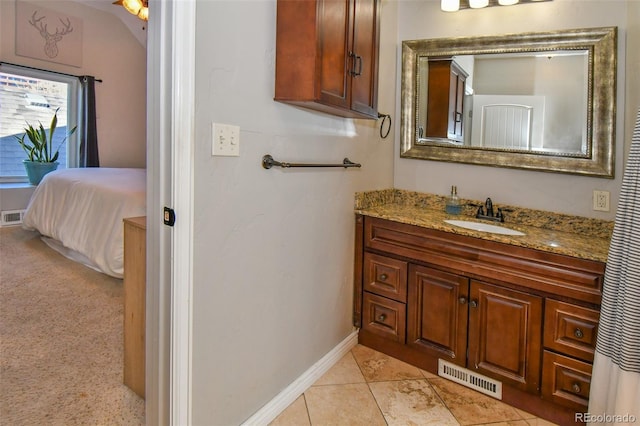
pixel 89 134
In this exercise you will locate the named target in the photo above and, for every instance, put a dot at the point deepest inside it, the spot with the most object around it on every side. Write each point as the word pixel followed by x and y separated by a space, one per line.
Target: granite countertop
pixel 575 236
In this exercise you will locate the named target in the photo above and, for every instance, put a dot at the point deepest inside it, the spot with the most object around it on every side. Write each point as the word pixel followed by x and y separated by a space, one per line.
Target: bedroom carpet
pixel 61 344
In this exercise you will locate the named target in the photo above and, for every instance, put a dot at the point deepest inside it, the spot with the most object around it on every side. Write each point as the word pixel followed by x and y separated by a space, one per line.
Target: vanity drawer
pixel 384 317
pixel 385 276
pixel 528 268
pixel 570 329
pixel 566 381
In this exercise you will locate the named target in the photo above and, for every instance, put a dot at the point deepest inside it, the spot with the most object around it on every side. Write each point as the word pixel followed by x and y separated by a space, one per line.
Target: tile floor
pixel 369 388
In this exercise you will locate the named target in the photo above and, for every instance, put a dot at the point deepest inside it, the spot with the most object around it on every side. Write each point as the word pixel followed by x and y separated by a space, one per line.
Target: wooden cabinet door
pixel 348 40
pixel 438 87
pixel 456 103
pixel 437 313
pixel 445 103
pixel 334 44
pixel 505 335
pixel 327 55
pixel 364 58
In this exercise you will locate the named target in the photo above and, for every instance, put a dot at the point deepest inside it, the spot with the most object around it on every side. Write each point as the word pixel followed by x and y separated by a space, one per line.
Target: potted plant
pixel 42 158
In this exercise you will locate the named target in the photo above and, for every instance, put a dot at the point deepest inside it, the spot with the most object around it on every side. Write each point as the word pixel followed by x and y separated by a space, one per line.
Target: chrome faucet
pixel 489 213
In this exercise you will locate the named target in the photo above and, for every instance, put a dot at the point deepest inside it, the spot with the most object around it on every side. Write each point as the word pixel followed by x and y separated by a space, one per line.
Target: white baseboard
pixel 273 408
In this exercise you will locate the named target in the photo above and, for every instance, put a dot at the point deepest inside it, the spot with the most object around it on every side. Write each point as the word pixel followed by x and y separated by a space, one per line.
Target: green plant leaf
pixel 42 143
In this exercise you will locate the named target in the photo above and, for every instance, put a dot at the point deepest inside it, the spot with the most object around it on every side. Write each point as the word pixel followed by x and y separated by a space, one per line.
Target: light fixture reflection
pixel 455 5
pixel 477 4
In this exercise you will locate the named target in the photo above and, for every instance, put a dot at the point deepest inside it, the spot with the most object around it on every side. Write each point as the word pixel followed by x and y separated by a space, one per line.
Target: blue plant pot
pixel 36 170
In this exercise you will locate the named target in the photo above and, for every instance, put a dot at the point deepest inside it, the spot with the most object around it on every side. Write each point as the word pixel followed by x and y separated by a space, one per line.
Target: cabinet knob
pixel 383 277
pixel 576 387
pixel 462 300
pixel 382 317
pixel 473 303
pixel 578 333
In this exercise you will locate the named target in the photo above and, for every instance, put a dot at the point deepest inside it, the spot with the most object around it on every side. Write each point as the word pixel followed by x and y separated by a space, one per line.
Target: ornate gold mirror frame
pixel 601 45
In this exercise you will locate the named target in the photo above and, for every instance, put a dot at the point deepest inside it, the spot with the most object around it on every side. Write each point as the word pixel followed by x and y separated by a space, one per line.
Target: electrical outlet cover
pixel 601 201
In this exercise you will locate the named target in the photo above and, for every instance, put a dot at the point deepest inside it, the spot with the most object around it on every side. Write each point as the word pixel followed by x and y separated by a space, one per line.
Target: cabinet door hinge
pixel 169 216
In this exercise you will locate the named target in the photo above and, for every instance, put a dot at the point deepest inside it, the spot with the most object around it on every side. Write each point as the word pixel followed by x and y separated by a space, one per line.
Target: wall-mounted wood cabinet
pixel 524 317
pixel 445 104
pixel 327 55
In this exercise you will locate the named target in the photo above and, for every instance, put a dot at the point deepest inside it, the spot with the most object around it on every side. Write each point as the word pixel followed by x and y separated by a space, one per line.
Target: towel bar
pixel 268 162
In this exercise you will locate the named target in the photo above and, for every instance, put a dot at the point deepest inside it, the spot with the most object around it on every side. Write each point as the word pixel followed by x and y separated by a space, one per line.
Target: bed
pixel 79 212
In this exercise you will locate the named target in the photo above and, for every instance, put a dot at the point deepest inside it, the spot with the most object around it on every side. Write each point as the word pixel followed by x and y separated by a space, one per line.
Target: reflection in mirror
pixel 522 101
pixel 542 101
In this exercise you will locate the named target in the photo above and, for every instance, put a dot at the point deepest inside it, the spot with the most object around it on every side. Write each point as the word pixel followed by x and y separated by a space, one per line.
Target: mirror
pixel 540 101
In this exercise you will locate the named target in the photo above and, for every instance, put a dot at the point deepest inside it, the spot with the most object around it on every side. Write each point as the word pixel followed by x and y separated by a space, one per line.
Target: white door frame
pixel 170 141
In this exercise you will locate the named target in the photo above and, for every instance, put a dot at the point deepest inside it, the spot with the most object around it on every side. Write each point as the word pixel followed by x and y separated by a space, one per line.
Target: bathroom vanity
pixel 519 310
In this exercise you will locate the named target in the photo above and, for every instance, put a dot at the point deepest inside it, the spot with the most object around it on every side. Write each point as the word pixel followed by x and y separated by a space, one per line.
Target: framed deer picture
pixel 48 35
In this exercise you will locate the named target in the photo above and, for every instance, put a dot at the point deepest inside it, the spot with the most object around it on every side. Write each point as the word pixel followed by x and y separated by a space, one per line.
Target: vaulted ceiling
pixel 137 27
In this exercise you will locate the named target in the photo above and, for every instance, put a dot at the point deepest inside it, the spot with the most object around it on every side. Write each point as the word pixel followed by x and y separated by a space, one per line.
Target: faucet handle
pixel 500 213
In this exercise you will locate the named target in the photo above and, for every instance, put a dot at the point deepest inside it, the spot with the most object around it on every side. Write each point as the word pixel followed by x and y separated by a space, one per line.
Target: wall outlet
pixel 601 201
pixel 226 140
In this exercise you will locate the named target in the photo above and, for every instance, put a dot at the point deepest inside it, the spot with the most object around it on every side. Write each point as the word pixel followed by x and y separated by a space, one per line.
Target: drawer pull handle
pixel 473 303
pixel 383 277
pixel 576 387
pixel 578 333
pixel 382 317
pixel 462 300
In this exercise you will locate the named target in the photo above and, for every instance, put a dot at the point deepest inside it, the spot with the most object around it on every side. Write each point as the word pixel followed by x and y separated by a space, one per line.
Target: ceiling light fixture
pixel 140 8
pixel 450 5
pixel 455 5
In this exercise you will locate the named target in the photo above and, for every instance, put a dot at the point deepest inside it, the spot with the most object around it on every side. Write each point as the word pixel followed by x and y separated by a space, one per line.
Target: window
pixel 28 95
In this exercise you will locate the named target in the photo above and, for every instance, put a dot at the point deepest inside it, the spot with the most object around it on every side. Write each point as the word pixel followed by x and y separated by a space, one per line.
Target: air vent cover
pixel 470 379
pixel 11 217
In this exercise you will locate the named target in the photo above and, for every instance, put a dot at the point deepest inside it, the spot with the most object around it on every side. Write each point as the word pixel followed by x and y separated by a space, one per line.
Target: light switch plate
pixel 226 140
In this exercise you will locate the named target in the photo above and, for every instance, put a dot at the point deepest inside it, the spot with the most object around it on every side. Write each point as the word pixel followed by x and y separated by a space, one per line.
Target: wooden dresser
pixel 134 302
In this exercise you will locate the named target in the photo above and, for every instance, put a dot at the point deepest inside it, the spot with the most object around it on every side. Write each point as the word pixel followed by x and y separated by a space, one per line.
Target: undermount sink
pixel 484 227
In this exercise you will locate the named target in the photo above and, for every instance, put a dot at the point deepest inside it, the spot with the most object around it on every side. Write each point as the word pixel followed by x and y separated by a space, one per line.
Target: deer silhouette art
pixel 51 40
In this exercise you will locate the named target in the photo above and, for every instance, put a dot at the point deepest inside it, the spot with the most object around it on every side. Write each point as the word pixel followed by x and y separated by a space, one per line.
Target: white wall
pixel 547 191
pixel 273 249
pixel 111 53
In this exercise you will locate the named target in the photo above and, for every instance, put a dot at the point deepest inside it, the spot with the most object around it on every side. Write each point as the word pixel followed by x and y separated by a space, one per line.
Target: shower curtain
pixel 615 382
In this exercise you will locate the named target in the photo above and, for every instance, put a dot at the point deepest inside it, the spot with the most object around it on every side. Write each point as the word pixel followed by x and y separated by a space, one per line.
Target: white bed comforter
pixel 83 210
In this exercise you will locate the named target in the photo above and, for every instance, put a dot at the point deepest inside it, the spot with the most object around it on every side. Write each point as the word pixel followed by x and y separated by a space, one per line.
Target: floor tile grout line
pixel 444 403
pixel 398 380
pixel 377 404
pixel 306 406
pixel 355 359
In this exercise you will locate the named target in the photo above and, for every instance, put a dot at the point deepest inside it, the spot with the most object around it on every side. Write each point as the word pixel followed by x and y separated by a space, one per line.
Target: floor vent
pixel 470 379
pixel 11 217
